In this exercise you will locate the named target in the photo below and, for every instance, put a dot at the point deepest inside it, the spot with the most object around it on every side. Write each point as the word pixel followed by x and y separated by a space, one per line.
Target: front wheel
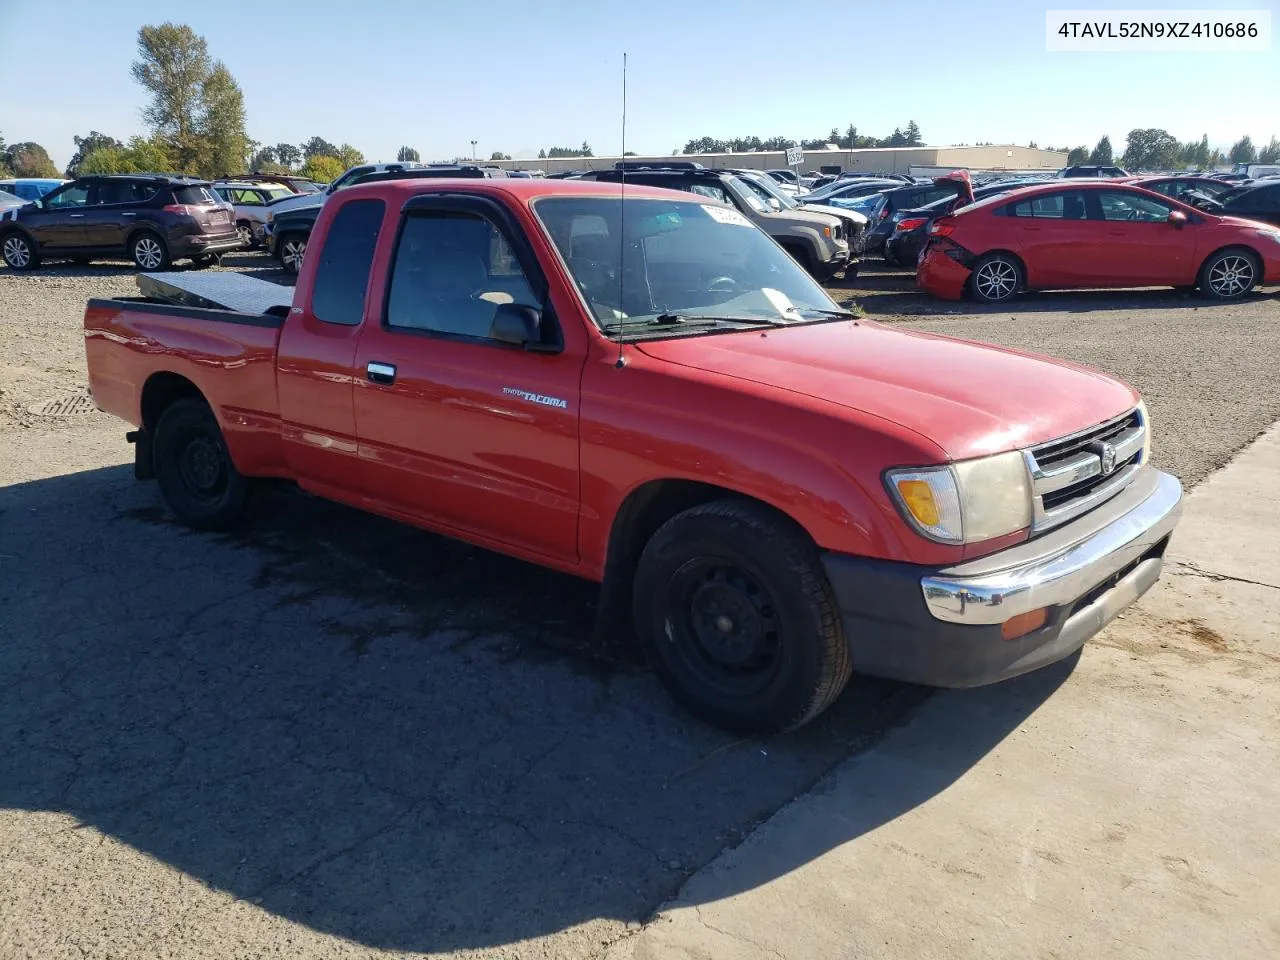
pixel 738 619
pixel 246 234
pixel 19 252
pixel 996 278
pixel 1229 275
pixel 149 252
pixel 292 248
pixel 196 476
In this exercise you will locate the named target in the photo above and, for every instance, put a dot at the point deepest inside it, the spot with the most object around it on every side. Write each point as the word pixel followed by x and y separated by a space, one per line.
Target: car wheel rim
pixel 293 251
pixel 996 279
pixel 724 628
pixel 1231 276
pixel 202 467
pixel 16 253
pixel 147 253
pixel 245 234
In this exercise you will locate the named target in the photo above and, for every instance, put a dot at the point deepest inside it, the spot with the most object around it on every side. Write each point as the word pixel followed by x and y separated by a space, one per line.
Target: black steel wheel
pixel 197 478
pixel 737 618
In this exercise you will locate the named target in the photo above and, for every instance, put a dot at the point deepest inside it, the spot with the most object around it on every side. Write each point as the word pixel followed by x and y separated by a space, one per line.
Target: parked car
pixel 1203 193
pixel 1091 170
pixel 30 188
pixel 1258 201
pixel 770 191
pixel 1063 236
pixel 288 233
pixel 816 240
pixel 8 199
pixel 896 201
pixel 250 202
pixel 638 387
pixel 154 219
pixel 291 182
pixel 906 243
pixel 348 177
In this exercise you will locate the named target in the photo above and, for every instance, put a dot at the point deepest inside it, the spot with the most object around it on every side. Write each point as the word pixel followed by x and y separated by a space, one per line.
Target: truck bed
pixel 216 291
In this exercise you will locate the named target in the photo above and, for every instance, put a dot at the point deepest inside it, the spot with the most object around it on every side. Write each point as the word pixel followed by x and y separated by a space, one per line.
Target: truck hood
pixel 970 399
pixel 809 218
pixel 299 202
pixel 850 216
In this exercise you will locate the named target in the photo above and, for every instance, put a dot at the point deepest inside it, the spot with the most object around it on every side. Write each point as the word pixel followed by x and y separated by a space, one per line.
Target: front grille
pixel 1073 474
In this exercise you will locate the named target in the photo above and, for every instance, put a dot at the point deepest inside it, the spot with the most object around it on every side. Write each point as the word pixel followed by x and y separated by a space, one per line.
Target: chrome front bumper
pixel 943 627
pixel 1060 567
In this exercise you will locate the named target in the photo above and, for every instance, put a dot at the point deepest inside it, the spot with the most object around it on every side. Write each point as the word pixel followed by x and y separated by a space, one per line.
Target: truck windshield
pixel 668 258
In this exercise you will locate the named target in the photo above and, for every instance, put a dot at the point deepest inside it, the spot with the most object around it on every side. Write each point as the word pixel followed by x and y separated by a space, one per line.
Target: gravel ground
pixel 330 735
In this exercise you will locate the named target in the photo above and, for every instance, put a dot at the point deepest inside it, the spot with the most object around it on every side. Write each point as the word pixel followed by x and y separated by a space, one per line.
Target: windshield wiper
pixel 694 320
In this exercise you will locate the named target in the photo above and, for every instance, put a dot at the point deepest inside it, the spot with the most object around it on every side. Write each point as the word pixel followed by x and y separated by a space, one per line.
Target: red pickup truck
pixel 639 387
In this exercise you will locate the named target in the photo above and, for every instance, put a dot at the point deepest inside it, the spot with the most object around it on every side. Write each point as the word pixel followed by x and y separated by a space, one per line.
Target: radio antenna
pixel 622 210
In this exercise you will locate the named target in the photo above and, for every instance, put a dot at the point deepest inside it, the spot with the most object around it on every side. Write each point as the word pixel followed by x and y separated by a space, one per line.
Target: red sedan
pixel 1076 235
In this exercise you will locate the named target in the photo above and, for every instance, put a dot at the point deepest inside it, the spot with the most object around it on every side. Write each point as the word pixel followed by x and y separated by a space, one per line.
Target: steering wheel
pixel 723 285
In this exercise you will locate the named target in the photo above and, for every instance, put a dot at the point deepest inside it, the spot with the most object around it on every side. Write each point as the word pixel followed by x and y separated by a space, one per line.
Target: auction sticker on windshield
pixel 726 215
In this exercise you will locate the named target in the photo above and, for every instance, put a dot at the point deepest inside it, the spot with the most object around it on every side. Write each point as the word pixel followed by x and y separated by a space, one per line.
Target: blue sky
pixel 517 75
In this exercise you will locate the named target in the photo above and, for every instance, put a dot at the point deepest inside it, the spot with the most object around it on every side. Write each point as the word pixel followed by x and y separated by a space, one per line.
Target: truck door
pixel 456 428
pixel 316 356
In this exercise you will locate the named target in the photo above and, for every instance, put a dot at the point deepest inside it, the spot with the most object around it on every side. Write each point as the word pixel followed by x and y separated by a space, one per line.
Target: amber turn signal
pixel 1024 623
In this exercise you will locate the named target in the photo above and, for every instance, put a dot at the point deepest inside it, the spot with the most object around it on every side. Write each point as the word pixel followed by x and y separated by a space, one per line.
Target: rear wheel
pixel 292 247
pixel 246 233
pixel 738 620
pixel 1229 275
pixel 996 278
pixel 149 252
pixel 19 252
pixel 196 476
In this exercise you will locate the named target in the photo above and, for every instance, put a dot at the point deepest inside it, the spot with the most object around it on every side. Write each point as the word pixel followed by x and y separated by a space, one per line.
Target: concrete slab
pixel 1120 806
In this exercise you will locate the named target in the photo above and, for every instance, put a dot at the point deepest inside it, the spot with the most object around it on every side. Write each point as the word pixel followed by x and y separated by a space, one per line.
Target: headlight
pixel 1146 422
pixel 965 502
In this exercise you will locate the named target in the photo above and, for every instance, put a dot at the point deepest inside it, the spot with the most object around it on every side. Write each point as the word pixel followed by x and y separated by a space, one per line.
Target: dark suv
pixel 152 218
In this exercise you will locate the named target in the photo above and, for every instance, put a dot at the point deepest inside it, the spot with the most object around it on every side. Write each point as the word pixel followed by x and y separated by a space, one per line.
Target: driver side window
pixel 1132 207
pixel 451 272
pixel 75 195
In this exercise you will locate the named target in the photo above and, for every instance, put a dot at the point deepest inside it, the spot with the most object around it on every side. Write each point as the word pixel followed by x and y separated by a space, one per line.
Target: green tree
pixel 29 159
pixel 1199 154
pixel 349 156
pixel 913 135
pixel 196 105
pixel 287 155
pixel 542 154
pixel 1271 152
pixel 4 160
pixel 499 155
pixel 318 147
pixel 262 158
pixel 87 145
pixel 1151 148
pixel 1243 151
pixel 1077 156
pixel 1102 155
pixel 406 154
pixel 322 168
pixel 139 155
pixel 221 139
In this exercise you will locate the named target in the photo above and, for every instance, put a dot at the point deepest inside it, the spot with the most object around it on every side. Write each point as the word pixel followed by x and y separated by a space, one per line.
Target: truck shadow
pixel 385 735
pixel 887 297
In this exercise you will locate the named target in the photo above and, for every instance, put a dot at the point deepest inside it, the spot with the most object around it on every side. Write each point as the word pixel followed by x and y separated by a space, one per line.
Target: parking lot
pixel 330 735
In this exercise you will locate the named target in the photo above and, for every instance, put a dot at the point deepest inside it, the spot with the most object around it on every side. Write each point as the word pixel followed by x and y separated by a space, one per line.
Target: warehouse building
pixel 921 160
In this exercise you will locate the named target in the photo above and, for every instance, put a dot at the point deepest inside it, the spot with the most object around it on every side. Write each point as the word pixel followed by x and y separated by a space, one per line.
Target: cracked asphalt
pixel 328 735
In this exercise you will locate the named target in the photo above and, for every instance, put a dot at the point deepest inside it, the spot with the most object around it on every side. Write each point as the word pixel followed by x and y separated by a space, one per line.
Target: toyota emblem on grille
pixel 1108 455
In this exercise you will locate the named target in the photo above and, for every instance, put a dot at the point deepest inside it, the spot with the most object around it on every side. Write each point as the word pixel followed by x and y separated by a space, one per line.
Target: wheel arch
pixel 141 228
pixel 637 519
pixel 1243 247
pixel 160 391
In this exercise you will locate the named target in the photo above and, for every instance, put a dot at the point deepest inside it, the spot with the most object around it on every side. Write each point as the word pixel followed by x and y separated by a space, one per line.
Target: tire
pixel 149 251
pixel 1229 275
pixel 738 620
pixel 246 234
pixel 290 250
pixel 890 259
pixel 996 278
pixel 197 479
pixel 19 252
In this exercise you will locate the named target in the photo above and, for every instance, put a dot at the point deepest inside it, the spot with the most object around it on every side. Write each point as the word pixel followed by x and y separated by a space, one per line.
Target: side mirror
pixel 1178 218
pixel 520 326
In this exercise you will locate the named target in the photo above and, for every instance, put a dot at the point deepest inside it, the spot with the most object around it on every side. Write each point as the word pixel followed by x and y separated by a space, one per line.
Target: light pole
pixel 473 148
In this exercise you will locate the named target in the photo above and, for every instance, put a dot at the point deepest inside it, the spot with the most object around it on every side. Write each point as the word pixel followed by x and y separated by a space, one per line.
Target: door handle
pixel 76 216
pixel 1032 229
pixel 384 373
pixel 128 214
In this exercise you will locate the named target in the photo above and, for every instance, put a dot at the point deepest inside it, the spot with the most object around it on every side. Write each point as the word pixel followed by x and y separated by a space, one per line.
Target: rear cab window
pixel 341 279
